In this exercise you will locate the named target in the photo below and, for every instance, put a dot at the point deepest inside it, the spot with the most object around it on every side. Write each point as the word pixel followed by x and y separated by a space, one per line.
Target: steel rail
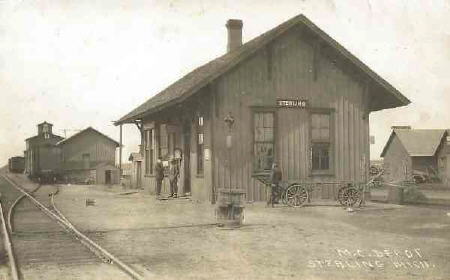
pixel 113 259
pixel 11 209
pixel 9 249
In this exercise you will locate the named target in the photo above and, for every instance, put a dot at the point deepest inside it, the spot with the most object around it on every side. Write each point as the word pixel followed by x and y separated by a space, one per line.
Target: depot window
pixel 263 141
pixel 149 151
pixel 321 142
pixel 200 147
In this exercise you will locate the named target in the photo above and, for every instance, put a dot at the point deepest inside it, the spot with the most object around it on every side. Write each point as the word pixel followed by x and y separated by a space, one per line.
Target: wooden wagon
pixel 298 194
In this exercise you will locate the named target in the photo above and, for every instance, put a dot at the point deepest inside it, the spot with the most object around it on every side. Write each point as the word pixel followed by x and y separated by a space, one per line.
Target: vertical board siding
pixel 292 77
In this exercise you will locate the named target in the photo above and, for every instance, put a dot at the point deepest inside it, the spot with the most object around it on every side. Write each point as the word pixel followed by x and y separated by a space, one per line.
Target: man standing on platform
pixel 159 176
pixel 174 172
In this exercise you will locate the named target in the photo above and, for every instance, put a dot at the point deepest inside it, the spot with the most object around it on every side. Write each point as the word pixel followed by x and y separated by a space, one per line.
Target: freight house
pixel 296 96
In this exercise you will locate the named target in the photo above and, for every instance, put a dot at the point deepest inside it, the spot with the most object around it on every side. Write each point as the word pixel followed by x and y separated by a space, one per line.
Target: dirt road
pixel 175 239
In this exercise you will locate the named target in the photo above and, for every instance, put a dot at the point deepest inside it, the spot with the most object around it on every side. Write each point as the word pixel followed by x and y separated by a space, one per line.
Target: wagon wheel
pixel 296 195
pixel 340 195
pixel 350 196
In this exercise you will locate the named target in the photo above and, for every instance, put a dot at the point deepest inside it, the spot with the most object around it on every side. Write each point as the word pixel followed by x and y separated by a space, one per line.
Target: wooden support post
pixel 120 151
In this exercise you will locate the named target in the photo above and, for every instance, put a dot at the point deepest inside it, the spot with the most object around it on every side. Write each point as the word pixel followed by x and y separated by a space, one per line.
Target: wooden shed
pixel 443 159
pixel 409 151
pixel 296 96
pixel 89 157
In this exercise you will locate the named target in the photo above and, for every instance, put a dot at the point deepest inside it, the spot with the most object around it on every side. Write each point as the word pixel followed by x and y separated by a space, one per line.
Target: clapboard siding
pixel 100 150
pixel 293 69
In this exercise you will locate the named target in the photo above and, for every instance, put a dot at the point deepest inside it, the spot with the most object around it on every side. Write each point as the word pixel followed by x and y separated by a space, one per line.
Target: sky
pixel 89 62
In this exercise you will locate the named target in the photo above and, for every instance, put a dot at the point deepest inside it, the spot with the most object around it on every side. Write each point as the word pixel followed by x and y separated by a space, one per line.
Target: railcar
pixel 16 164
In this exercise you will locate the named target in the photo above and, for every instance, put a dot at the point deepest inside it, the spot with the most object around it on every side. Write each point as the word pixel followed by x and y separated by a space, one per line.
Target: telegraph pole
pixel 65 130
pixel 120 151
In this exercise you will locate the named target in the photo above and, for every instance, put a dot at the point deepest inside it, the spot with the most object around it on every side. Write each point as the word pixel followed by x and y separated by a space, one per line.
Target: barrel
pixel 230 207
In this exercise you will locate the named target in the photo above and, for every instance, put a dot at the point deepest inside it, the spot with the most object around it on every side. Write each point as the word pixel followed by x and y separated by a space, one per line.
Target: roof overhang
pixel 383 95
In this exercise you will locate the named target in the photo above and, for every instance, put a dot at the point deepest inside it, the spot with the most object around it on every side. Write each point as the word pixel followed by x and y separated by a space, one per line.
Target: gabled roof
pixel 40 136
pixel 417 142
pixel 84 131
pixel 198 78
pixel 45 122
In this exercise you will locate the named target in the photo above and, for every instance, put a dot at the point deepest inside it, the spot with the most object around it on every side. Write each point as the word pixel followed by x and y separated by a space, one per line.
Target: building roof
pixel 89 129
pixel 417 142
pixel 198 78
pixel 38 136
pixel 45 122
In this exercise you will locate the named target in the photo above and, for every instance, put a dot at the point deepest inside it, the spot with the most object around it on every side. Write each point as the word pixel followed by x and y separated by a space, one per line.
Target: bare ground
pixel 176 239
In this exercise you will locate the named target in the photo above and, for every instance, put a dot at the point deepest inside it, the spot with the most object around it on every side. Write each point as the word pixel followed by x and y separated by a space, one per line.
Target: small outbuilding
pixel 89 157
pixel 412 152
pixel 443 159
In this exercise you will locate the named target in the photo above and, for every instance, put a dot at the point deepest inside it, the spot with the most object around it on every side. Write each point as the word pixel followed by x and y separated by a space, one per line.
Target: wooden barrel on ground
pixel 230 207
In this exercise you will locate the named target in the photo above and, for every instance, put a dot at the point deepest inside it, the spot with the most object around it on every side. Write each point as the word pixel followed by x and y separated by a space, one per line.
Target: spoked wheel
pixel 350 196
pixel 296 195
pixel 340 196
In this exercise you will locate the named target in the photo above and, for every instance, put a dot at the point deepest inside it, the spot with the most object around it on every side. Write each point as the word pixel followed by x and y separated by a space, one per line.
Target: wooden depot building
pixel 296 97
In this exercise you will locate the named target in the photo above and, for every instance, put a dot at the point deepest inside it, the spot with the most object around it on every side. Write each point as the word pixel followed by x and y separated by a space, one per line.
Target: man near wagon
pixel 275 179
pixel 159 176
pixel 174 172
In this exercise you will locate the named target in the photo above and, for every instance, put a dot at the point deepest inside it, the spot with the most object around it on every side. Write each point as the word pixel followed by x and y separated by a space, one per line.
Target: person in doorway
pixel 159 176
pixel 174 172
pixel 275 179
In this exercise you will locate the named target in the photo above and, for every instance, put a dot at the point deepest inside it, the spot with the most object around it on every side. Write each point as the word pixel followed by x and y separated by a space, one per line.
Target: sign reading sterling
pixel 291 103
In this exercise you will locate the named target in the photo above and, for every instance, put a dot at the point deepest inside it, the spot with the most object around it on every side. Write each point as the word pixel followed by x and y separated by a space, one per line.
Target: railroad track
pixel 34 228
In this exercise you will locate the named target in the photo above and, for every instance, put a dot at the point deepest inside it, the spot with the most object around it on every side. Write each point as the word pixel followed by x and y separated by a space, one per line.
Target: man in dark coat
pixel 159 176
pixel 275 179
pixel 174 172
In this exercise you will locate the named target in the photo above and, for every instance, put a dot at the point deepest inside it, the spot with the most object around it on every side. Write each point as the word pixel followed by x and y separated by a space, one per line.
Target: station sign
pixel 292 103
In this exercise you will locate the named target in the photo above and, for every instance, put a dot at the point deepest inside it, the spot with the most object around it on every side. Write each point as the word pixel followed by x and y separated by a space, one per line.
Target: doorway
pixel 187 157
pixel 108 176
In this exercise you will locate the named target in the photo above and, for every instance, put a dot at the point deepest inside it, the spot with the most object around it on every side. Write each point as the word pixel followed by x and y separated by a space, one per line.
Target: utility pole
pixel 120 151
pixel 65 130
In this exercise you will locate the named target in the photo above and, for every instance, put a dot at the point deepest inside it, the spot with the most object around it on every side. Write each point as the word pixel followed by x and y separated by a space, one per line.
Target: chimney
pixel 234 27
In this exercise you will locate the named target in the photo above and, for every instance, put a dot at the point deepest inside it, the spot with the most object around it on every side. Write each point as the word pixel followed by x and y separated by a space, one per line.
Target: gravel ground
pixel 175 239
pixel 43 250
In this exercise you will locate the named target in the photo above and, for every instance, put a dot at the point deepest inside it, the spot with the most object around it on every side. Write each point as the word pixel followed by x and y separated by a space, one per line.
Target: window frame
pixel 171 143
pixel 149 151
pixel 330 142
pixel 257 110
pixel 441 162
pixel 163 141
pixel 200 130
